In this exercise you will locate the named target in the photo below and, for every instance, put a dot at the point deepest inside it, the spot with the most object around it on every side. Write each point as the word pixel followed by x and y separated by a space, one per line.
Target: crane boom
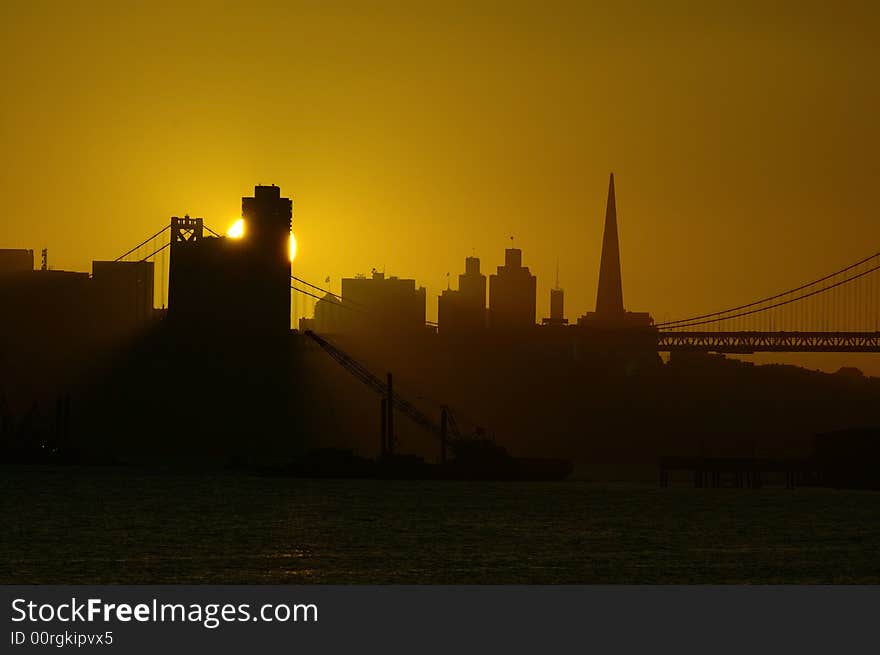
pixel 375 383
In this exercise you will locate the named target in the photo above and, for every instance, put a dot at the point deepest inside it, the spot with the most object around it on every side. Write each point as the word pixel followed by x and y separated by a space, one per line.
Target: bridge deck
pixel 751 342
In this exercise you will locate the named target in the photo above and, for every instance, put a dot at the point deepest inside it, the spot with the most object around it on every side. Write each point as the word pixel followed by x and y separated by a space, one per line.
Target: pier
pixel 740 472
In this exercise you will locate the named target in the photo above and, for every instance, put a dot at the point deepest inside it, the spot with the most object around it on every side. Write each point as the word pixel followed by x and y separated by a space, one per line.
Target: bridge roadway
pixel 752 342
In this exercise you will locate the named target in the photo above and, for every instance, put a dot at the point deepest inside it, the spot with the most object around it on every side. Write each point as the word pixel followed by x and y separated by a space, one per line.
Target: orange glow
pixel 292 249
pixel 759 138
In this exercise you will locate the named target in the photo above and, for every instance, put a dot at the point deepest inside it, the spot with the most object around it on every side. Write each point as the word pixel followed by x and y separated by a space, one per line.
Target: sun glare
pixel 236 230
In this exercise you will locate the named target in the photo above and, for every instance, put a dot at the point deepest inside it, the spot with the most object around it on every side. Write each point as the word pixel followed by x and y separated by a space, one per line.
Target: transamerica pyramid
pixel 609 299
pixel 610 314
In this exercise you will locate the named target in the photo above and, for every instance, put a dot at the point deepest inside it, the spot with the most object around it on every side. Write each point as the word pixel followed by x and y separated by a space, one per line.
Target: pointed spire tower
pixel 610 316
pixel 609 299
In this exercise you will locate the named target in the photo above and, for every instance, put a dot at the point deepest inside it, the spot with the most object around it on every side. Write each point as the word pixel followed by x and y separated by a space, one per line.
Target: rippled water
pixel 117 526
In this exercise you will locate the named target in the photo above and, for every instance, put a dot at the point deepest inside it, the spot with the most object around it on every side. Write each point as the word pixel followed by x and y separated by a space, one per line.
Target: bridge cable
pixel 325 299
pixel 142 243
pixel 769 298
pixel 337 296
pixel 155 252
pixel 684 324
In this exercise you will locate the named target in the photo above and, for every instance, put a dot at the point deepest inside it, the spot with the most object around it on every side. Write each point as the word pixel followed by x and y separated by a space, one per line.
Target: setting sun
pixel 236 230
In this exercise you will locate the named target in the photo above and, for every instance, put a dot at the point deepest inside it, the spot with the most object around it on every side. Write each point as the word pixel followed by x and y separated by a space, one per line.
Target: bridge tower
pixel 183 275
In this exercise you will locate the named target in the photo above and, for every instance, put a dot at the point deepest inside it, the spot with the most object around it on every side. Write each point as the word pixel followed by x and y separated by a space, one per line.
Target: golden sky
pixel 744 138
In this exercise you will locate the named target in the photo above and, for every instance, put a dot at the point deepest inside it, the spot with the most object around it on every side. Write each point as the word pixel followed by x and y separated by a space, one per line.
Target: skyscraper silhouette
pixel 268 216
pixel 610 313
pixel 557 304
pixel 512 294
pixel 239 285
pixel 609 299
pixel 464 310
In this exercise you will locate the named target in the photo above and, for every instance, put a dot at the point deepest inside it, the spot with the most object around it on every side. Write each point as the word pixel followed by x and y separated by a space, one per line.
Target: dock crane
pixel 392 401
pixel 475 458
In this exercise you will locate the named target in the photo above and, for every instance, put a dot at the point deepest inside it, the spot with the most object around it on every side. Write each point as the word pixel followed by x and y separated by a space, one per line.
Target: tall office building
pixel 464 309
pixel 472 285
pixel 512 301
pixel 557 308
pixel 267 218
pixel 557 304
pixel 240 284
pixel 610 313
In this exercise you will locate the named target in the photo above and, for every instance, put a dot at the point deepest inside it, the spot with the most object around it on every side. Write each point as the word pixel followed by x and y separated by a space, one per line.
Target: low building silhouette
pixel 125 294
pixel 368 304
pixel 60 326
pixel 16 261
pixel 329 315
pixel 115 301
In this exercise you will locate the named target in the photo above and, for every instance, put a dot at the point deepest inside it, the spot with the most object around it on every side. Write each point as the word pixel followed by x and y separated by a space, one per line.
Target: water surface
pixel 121 526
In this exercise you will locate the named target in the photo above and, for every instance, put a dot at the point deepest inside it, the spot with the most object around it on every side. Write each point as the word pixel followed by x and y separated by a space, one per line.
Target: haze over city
pixel 742 143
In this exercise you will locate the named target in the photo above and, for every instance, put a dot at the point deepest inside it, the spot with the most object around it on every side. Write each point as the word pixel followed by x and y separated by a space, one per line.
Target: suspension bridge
pixel 837 312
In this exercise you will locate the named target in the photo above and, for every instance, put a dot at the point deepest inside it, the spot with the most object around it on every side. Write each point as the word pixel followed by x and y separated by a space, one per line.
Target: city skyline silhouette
pixel 740 143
